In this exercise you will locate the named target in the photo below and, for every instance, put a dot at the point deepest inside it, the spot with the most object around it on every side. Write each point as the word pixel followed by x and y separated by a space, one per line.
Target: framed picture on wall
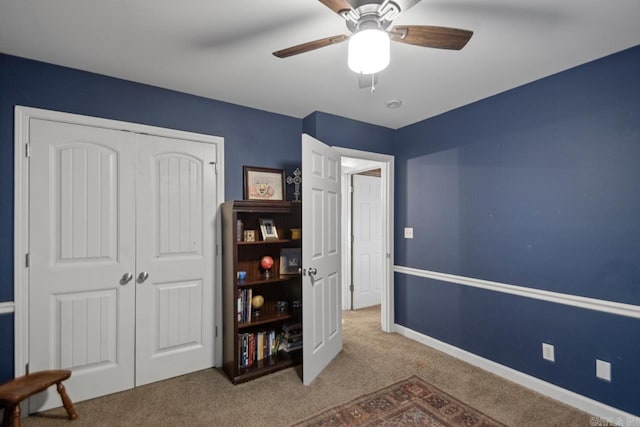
pixel 263 183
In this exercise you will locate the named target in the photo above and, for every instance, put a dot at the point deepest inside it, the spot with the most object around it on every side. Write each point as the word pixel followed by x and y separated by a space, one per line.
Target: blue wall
pixel 535 187
pixel 252 137
pixel 6 349
pixel 340 132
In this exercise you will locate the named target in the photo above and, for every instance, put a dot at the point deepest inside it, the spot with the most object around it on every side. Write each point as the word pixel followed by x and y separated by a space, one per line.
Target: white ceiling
pixel 222 50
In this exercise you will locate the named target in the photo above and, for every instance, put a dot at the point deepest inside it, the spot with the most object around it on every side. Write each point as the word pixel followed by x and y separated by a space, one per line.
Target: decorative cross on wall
pixel 296 180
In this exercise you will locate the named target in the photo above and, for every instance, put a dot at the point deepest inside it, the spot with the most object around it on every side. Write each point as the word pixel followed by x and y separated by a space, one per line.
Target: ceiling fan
pixel 370 24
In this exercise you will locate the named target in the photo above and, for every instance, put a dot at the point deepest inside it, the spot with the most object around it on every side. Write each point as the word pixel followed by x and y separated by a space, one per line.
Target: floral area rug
pixel 410 402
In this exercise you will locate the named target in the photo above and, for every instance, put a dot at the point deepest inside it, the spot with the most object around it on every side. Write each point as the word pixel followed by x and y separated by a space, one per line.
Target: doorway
pixel 354 162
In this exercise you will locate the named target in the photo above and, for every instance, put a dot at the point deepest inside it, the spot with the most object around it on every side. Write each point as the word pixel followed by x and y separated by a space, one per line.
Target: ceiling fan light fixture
pixel 369 51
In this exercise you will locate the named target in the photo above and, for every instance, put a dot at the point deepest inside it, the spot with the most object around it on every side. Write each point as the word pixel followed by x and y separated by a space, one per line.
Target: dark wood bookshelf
pixel 239 255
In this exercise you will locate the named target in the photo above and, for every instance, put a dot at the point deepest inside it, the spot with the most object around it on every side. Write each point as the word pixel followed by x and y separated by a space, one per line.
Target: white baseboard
pixel 593 407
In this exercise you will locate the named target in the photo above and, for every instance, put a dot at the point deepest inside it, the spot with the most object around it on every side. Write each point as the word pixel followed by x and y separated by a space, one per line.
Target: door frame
pixel 21 214
pixel 386 163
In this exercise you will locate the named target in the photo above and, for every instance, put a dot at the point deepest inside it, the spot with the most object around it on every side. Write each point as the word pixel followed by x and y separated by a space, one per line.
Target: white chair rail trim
pixel 622 309
pixel 7 307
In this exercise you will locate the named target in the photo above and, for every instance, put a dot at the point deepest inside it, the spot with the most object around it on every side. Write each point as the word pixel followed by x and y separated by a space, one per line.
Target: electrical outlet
pixel 408 232
pixel 548 352
pixel 603 370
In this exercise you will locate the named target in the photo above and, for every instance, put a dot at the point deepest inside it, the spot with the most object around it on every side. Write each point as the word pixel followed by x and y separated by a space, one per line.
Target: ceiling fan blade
pixel 306 47
pixel 406 4
pixel 429 36
pixel 337 5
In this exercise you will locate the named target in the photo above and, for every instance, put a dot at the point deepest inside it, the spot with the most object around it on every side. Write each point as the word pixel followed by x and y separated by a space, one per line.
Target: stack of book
pixel 256 346
pixel 244 305
pixel 291 337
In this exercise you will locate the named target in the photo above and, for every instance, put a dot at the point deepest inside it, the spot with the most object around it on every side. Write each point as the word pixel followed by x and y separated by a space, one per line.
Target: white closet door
pixel 82 242
pixel 176 193
pixel 105 204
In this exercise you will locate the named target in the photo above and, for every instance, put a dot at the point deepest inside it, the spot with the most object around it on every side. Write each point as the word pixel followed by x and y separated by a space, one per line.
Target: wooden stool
pixel 15 391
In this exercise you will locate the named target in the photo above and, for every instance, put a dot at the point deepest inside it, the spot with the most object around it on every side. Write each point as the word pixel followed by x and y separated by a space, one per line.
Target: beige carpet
pixel 370 360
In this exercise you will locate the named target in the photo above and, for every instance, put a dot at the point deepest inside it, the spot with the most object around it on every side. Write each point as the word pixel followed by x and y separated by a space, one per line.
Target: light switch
pixel 408 232
pixel 603 370
pixel 548 352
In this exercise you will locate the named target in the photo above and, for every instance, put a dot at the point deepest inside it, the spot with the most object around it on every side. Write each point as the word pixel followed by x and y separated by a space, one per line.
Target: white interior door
pixel 105 207
pixel 368 255
pixel 321 293
pixel 82 242
pixel 176 194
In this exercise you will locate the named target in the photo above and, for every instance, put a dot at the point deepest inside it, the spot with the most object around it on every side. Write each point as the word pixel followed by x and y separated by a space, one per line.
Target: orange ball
pixel 266 262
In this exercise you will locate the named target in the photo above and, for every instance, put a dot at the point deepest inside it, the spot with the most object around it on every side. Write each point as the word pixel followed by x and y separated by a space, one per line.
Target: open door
pixel 321 293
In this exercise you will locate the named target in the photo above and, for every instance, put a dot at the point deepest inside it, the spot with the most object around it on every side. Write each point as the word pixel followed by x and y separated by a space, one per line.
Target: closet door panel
pixel 82 242
pixel 175 234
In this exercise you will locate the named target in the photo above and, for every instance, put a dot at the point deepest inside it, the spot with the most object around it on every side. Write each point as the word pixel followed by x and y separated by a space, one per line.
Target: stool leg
pixel 16 416
pixel 68 405
pixel 7 416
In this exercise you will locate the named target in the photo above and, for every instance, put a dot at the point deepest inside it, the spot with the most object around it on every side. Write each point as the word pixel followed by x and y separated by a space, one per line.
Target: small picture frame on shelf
pixel 263 183
pixel 268 229
pixel 249 235
pixel 290 260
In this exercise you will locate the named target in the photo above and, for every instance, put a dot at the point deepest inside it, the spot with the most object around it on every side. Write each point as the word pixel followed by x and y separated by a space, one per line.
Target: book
pixel 288 348
pixel 292 328
pixel 248 304
pixel 252 349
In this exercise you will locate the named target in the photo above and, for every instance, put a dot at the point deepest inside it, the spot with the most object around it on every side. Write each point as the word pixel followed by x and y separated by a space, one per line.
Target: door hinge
pixel 351 287
pixel 27 150
pixel 26 260
pixel 26 369
pixel 215 167
pixel 216 332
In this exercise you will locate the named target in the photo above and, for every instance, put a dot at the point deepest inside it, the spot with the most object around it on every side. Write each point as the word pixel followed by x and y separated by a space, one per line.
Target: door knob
pixel 126 278
pixel 312 271
pixel 142 277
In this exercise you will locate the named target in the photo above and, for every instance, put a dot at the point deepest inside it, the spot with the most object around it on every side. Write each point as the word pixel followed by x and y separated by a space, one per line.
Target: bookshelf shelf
pixel 263 320
pixel 264 281
pixel 265 242
pixel 250 338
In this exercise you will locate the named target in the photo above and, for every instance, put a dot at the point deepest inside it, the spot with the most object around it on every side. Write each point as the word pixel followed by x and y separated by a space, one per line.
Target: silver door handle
pixel 312 271
pixel 142 277
pixel 126 278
